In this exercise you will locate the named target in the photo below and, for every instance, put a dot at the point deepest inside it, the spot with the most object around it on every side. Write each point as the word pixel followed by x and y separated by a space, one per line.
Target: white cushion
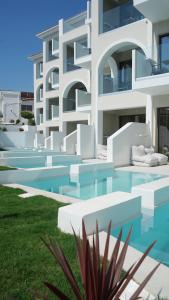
pixel 137 151
pixel 162 159
pixel 149 150
pixel 150 159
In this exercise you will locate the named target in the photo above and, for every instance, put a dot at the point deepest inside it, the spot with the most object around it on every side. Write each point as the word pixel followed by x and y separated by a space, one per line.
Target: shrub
pixel 31 122
pixel 4 129
pixel 101 278
pixel 17 121
pixel 27 115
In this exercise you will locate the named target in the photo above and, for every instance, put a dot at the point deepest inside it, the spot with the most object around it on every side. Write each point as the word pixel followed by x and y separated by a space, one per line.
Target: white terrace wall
pixel 120 143
pixel 39 140
pixel 56 140
pixel 85 141
pixel 17 139
pixel 70 142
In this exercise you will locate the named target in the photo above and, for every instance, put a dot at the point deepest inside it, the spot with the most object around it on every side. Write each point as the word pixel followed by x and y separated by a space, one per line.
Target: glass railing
pixel 40 118
pixel 123 83
pixel 146 67
pixel 81 50
pixel 55 78
pixel 55 111
pixel 120 16
pixel 108 85
pixel 83 98
pixel 70 65
pixel 55 46
pixel 69 104
pixel 70 25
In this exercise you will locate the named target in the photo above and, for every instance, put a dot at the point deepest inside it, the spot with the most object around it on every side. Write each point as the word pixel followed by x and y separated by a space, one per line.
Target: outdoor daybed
pixel 142 156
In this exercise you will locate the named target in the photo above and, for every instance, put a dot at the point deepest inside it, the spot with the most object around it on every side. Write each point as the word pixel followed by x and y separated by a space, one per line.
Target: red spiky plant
pixel 101 277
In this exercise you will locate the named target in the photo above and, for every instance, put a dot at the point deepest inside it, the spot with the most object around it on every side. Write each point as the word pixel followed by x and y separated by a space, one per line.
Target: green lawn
pixel 5 168
pixel 24 261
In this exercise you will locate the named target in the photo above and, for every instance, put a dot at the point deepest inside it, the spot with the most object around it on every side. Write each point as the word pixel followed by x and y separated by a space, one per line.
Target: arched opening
pixel 39 93
pixel 52 80
pixel 115 69
pixel 69 100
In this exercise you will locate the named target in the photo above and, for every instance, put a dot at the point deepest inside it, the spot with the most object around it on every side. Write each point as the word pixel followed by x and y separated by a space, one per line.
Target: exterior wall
pixel 10 102
pixel 17 139
pixel 143 34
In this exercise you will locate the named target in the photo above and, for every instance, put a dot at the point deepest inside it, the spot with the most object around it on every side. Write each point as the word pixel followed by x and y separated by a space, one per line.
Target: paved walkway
pixel 162 170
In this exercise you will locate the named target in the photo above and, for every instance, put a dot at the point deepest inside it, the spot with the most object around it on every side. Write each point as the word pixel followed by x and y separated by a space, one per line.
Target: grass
pixel 25 263
pixel 5 168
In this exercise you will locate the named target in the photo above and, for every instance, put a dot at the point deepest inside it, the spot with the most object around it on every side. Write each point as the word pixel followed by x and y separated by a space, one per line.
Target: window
pixel 125 74
pixel 123 120
pixel 26 107
pixel 164 49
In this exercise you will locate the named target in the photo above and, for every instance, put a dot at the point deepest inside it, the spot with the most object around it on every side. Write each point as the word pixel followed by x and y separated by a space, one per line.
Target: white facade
pixel 105 67
pixel 11 105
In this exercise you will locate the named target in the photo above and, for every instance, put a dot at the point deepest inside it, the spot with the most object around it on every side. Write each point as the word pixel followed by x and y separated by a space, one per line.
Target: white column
pixel 64 128
pixel 99 129
pixel 150 116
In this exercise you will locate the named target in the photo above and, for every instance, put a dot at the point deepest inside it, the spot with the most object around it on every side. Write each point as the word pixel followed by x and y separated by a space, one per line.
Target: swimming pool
pixel 150 226
pixel 91 185
pixel 42 164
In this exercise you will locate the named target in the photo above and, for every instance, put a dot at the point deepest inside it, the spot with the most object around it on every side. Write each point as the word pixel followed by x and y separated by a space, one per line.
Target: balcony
pixel 154 10
pixel 41 119
pixel 69 104
pixel 83 101
pixel 52 49
pixel 52 112
pixel 55 112
pixel 70 65
pixel 53 81
pixel 55 47
pixel 122 83
pixel 39 95
pixel 118 15
pixel 151 77
pixel 39 70
pixel 82 54
pixel 75 22
pixel 52 109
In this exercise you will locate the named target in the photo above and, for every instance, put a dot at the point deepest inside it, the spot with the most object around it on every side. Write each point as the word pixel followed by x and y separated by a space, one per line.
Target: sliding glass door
pixel 163 129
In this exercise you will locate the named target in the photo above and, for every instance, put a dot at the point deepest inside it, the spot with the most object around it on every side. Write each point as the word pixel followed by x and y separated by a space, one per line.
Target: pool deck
pixel 161 170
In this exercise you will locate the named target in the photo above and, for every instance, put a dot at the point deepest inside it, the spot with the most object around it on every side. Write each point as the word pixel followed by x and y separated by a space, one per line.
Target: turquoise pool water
pixel 150 226
pixel 90 185
pixel 40 164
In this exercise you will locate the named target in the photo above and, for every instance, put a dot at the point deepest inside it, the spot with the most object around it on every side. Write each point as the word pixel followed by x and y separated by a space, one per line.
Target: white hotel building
pixel 105 67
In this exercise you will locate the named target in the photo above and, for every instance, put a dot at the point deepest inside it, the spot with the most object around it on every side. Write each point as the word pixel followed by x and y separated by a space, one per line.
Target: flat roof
pixel 55 28
pixel 36 56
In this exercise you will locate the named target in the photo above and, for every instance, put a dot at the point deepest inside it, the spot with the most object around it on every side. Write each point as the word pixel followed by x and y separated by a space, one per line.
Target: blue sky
pixel 20 20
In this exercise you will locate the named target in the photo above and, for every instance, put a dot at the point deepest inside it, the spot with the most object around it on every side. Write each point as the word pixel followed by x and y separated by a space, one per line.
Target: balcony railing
pixel 119 16
pixel 111 85
pixel 82 98
pixel 55 111
pixel 81 50
pixel 146 67
pixel 70 25
pixel 39 95
pixel 40 119
pixel 55 47
pixel 70 64
pixel 69 104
